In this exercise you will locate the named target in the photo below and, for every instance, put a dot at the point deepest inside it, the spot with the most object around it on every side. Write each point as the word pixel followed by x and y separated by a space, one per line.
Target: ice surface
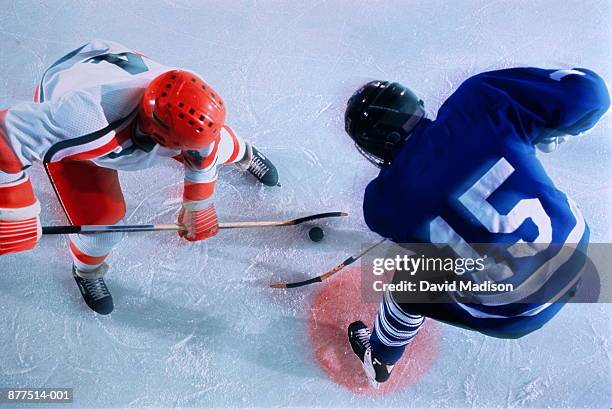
pixel 195 325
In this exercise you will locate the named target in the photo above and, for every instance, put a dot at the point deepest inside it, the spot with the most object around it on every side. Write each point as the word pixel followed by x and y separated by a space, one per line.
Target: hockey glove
pixel 20 227
pixel 200 224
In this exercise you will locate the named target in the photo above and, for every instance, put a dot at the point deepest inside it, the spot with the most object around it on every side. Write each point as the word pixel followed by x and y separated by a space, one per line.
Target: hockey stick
pixel 331 272
pixel 177 227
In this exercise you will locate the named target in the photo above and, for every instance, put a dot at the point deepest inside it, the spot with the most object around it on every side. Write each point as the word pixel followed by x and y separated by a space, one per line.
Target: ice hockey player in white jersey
pixel 100 109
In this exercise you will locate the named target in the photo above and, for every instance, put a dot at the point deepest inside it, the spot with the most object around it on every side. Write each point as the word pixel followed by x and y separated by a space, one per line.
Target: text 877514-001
pixel 36 395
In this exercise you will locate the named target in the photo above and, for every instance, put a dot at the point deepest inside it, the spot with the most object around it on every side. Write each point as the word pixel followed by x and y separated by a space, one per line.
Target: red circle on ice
pixel 335 306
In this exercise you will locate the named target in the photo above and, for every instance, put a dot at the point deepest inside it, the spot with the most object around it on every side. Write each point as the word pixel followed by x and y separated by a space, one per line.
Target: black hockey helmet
pixel 379 117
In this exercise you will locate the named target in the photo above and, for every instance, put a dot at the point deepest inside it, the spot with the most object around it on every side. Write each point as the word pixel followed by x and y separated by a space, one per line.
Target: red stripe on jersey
pixel 198 191
pixel 118 139
pixel 209 160
pixel 17 196
pixel 84 258
pixel 9 162
pixel 232 158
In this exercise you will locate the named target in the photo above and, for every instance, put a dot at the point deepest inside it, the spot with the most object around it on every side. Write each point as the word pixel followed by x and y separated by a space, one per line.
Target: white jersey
pixel 85 109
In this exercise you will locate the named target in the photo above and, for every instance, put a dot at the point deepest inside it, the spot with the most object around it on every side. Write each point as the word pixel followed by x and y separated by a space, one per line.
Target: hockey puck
pixel 316 234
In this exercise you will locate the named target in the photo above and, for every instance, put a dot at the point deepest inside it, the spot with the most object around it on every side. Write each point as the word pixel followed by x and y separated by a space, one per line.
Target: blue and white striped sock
pixel 394 328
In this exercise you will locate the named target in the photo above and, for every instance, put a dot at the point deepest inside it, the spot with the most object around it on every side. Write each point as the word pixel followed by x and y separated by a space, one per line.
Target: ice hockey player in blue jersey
pixel 472 176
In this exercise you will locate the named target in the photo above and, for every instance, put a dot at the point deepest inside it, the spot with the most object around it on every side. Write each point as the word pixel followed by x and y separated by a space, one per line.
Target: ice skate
pixel 375 369
pixel 260 166
pixel 94 290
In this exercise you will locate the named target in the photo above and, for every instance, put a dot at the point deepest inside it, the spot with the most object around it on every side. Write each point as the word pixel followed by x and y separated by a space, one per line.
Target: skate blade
pixel 373 383
pixel 371 378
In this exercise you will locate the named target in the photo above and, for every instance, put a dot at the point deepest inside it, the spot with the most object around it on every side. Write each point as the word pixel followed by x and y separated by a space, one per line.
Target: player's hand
pixel 200 224
pixel 20 227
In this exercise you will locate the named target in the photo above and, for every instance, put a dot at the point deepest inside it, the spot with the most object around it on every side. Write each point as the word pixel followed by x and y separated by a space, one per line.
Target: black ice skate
pixel 262 168
pixel 375 369
pixel 94 290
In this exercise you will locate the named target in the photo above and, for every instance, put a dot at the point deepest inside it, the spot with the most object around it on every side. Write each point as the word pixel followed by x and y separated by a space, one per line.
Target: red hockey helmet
pixel 180 111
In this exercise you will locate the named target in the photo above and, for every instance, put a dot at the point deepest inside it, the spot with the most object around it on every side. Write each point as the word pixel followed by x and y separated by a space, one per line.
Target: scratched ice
pixel 196 325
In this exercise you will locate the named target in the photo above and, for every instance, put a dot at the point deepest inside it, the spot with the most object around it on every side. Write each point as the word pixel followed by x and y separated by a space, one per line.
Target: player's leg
pixel 234 149
pixel 379 350
pixel 90 195
pixel 394 328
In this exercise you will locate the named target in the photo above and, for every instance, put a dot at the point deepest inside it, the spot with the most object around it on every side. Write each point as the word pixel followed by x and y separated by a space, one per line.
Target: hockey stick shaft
pixel 48 230
pixel 177 227
pixel 331 272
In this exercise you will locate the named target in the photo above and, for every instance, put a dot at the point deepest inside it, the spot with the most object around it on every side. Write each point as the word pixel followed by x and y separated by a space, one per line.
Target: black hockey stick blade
pixel 316 217
pixel 317 279
pixel 325 276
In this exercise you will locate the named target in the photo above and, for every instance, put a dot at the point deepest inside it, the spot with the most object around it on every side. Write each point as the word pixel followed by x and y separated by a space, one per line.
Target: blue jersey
pixel 472 176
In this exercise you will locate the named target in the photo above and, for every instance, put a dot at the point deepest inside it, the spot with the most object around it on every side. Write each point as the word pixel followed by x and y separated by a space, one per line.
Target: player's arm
pixel 20 227
pixel 373 213
pixel 542 103
pixel 379 208
pixel 198 212
pixel 28 131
